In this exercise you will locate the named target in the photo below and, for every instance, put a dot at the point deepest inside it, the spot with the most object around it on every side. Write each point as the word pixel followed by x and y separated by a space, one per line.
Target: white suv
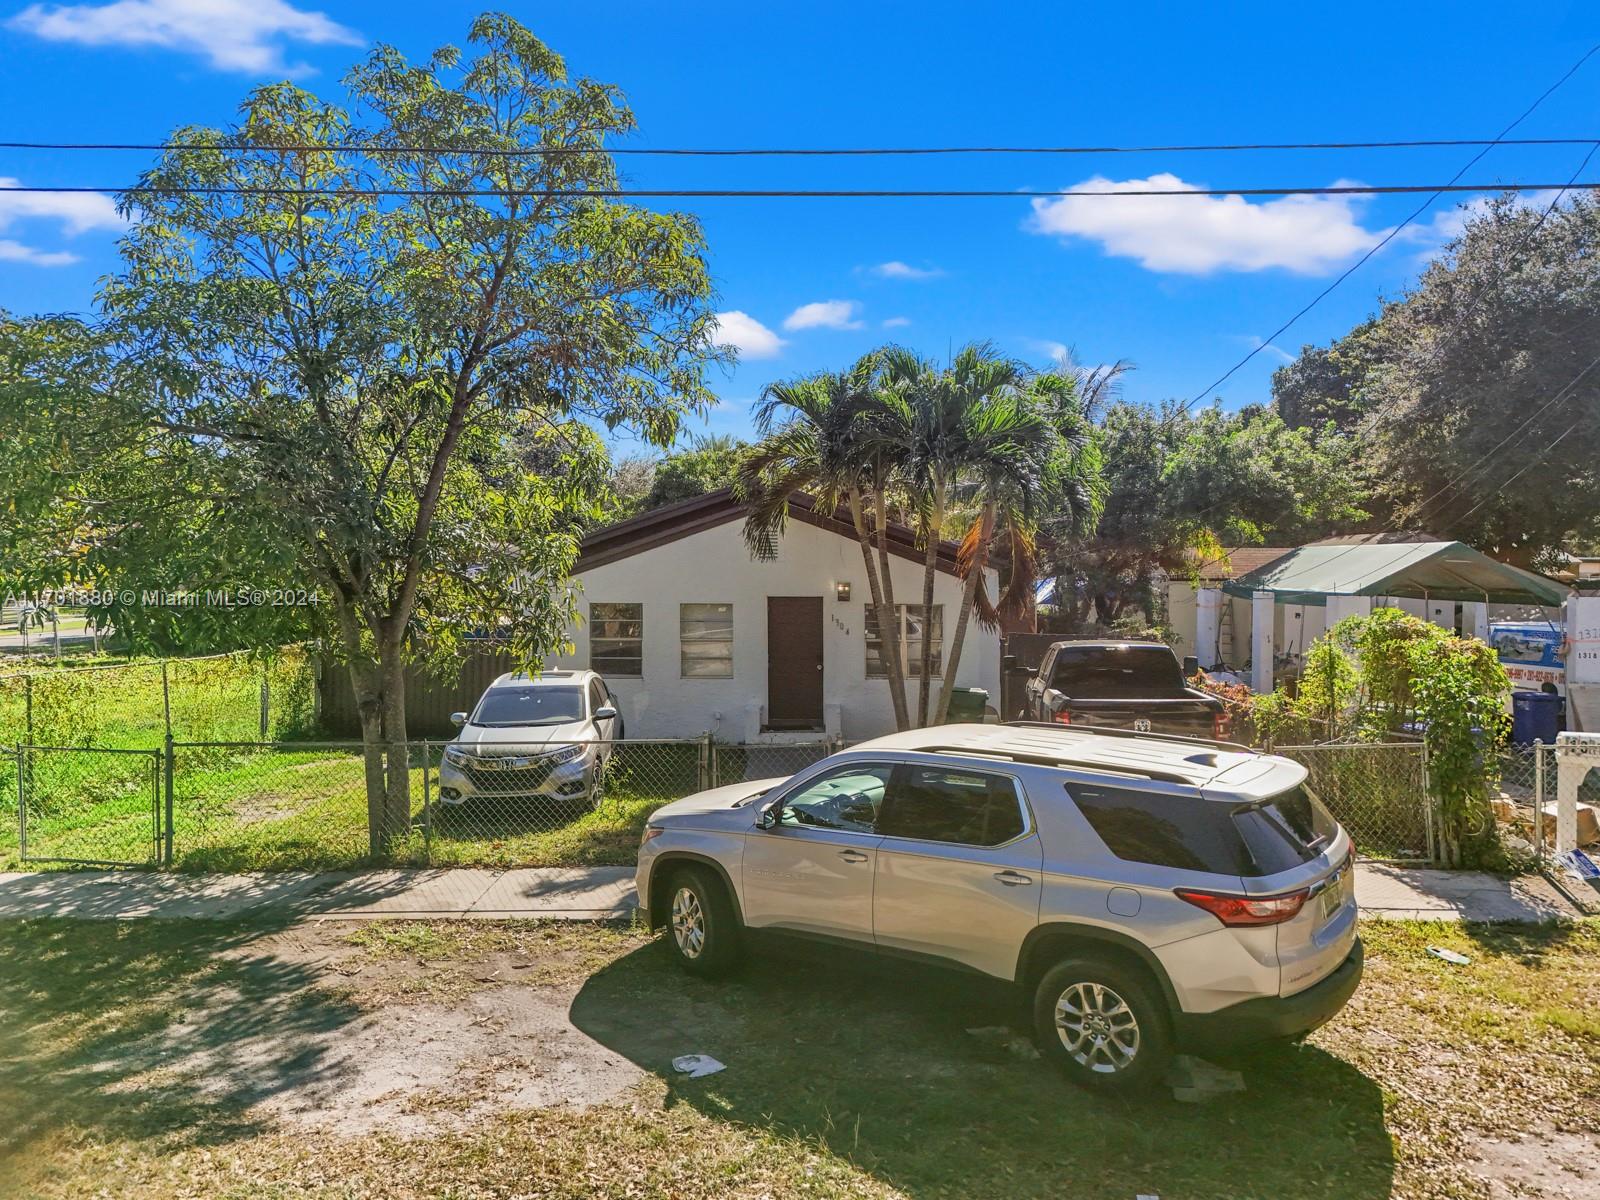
pixel 1150 893
pixel 548 738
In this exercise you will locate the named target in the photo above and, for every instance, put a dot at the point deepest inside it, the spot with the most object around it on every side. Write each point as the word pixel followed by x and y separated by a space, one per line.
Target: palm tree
pixel 945 409
pixel 812 440
pixel 1010 455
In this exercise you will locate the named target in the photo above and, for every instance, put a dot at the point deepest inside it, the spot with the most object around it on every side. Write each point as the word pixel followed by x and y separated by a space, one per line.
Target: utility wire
pixel 1391 235
pixel 825 193
pixel 779 152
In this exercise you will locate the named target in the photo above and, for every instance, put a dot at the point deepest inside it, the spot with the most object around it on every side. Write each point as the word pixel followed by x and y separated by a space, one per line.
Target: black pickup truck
pixel 1124 685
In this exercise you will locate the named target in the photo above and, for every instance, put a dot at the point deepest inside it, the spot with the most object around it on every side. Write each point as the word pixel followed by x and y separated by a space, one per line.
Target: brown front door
pixel 794 662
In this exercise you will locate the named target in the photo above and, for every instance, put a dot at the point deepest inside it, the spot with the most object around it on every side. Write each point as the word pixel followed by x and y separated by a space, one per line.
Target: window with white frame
pixel 616 639
pixel 705 640
pixel 909 630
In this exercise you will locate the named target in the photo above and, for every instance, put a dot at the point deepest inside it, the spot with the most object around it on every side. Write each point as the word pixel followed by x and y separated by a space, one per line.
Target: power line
pixel 1392 234
pixel 821 194
pixel 779 152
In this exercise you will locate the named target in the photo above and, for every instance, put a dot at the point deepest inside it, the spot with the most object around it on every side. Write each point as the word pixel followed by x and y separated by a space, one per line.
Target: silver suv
pixel 1149 893
pixel 547 738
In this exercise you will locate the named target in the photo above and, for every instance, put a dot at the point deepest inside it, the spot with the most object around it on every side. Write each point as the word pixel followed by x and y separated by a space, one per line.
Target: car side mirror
pixel 769 817
pixel 458 719
pixel 1191 666
pixel 605 712
pixel 1053 699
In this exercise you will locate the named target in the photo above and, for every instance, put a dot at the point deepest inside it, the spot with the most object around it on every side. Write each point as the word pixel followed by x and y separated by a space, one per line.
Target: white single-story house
pixel 695 635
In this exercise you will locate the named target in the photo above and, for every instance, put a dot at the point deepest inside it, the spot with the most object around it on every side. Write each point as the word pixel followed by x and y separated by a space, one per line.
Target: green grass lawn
pixel 242 808
pixel 132 1064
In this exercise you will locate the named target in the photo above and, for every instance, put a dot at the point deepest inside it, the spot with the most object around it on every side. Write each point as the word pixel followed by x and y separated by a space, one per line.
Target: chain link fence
pixel 1378 791
pixel 239 806
pixel 251 805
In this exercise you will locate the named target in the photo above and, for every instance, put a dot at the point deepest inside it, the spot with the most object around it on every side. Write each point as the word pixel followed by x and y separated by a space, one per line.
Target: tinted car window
pixel 1166 831
pixel 529 706
pixel 849 798
pixel 971 808
pixel 1285 831
pixel 1116 672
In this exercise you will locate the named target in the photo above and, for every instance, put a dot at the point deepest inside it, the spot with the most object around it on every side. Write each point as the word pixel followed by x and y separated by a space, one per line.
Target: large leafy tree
pixel 1178 483
pixel 332 352
pixel 1480 387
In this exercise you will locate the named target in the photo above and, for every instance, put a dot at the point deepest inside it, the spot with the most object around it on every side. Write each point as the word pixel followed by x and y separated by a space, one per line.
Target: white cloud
pixel 11 251
pixel 1197 235
pixel 78 212
pixel 75 212
pixel 1255 343
pixel 824 314
pixel 232 35
pixel 1053 350
pixel 747 335
pixel 896 322
pixel 900 270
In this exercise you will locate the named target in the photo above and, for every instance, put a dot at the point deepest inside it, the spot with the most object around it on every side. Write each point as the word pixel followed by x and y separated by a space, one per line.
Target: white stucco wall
pixel 714 567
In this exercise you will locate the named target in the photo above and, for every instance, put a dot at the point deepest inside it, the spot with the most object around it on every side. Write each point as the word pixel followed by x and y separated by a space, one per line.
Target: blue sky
pixel 1181 287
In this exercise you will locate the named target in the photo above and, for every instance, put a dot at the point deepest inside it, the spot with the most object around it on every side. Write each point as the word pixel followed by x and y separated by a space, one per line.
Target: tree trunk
pixel 969 594
pixel 365 685
pixel 397 751
pixel 897 693
pixel 932 529
pixel 894 664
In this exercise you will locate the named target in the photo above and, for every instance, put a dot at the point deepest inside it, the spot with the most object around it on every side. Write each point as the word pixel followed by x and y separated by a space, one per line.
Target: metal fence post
pixel 704 764
pixel 22 810
pixel 27 701
pixel 266 704
pixel 1538 802
pixel 166 701
pixel 427 804
pixel 1435 835
pixel 166 851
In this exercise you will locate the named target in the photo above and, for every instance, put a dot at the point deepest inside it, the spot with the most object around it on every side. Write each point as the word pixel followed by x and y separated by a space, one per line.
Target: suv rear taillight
pixel 1062 718
pixel 1246 910
pixel 1221 725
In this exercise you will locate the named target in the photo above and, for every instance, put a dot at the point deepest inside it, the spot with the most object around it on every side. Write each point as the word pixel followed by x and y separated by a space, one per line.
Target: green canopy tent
pixel 1410 570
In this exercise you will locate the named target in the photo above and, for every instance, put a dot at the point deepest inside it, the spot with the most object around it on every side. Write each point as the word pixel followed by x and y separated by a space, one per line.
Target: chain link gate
pixel 1379 792
pixel 91 806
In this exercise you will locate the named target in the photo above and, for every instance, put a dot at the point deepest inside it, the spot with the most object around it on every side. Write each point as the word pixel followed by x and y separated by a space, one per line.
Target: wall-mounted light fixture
pixel 841 591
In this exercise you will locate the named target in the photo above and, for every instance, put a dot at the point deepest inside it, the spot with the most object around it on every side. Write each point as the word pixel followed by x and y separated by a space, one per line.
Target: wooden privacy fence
pixel 430 696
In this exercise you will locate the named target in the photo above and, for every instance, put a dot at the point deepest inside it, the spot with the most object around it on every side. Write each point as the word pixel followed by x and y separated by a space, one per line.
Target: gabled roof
pixel 1241 560
pixel 1374 566
pixel 662 526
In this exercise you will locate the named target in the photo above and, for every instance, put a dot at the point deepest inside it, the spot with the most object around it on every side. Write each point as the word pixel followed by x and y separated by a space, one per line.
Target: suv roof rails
pixel 1046 760
pixel 1112 731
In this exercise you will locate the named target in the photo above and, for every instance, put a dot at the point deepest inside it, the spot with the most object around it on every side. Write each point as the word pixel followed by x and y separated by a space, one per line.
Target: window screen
pixel 616 638
pixel 705 640
pixel 970 808
pixel 910 627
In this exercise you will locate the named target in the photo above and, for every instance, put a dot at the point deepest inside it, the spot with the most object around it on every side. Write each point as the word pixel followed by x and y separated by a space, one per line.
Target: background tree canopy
pixel 1474 398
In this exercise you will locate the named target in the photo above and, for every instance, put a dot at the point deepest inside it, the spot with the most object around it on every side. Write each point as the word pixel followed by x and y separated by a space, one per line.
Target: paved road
pixel 599 893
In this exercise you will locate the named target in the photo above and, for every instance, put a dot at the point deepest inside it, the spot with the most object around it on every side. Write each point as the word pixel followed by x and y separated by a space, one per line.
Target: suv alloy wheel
pixel 700 919
pixel 1101 1024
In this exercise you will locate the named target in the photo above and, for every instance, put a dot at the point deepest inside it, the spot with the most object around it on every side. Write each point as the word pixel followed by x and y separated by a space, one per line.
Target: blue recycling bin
pixel 1535 716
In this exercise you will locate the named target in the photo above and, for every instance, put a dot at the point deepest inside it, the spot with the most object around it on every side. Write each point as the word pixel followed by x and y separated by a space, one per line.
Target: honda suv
pixel 1149 893
pixel 546 739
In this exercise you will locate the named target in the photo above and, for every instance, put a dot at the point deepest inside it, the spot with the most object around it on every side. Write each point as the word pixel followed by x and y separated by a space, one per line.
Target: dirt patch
pixel 1545 1165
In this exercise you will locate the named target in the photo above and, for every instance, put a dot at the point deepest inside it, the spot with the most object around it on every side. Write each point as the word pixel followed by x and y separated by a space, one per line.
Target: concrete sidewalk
pixel 598 893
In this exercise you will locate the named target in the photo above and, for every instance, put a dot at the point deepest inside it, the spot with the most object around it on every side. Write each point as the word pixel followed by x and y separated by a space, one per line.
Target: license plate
pixel 1141 726
pixel 1333 895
